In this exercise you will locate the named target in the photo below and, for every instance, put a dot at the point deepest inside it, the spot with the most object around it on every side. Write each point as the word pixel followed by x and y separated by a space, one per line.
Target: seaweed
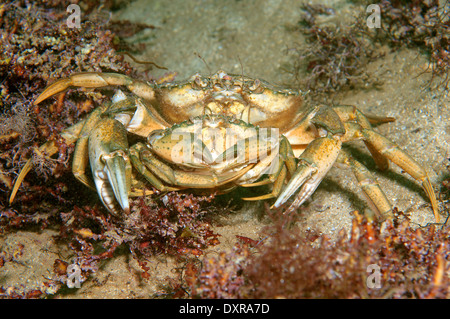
pixel 394 259
pixel 335 56
pixel 172 225
pixel 288 263
pixel 37 47
pixel 422 24
pixel 218 277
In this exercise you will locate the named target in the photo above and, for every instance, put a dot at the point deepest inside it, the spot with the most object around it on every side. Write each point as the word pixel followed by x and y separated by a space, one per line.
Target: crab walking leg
pixel 391 151
pixel 111 168
pixel 348 113
pixel 96 80
pixel 286 163
pixel 50 148
pixel 135 151
pixel 313 165
pixel 374 194
pixel 277 185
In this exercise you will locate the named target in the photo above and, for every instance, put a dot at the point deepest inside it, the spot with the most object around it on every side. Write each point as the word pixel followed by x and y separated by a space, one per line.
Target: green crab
pixel 216 133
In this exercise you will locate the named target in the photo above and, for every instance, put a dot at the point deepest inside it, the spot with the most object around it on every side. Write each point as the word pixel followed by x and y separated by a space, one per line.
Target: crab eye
pixel 256 86
pixel 200 82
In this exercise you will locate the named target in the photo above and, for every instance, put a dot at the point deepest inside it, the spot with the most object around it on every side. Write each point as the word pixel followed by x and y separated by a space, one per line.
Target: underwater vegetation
pixel 421 24
pixel 37 46
pixel 336 55
pixel 412 261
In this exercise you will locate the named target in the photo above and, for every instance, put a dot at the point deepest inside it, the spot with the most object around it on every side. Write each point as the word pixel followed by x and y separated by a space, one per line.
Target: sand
pixel 257 40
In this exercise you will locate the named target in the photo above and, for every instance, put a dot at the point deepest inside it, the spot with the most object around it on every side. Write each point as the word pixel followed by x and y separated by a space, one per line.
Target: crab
pixel 216 133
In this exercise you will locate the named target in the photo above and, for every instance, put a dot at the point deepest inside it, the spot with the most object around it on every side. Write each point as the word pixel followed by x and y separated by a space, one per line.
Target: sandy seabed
pixel 254 39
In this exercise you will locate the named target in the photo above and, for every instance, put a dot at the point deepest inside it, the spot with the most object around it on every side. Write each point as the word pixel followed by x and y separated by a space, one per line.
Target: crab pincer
pixel 110 164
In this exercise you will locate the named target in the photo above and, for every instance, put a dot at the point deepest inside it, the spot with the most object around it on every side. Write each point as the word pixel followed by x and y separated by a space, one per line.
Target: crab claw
pixel 110 164
pixel 116 174
pixel 314 163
